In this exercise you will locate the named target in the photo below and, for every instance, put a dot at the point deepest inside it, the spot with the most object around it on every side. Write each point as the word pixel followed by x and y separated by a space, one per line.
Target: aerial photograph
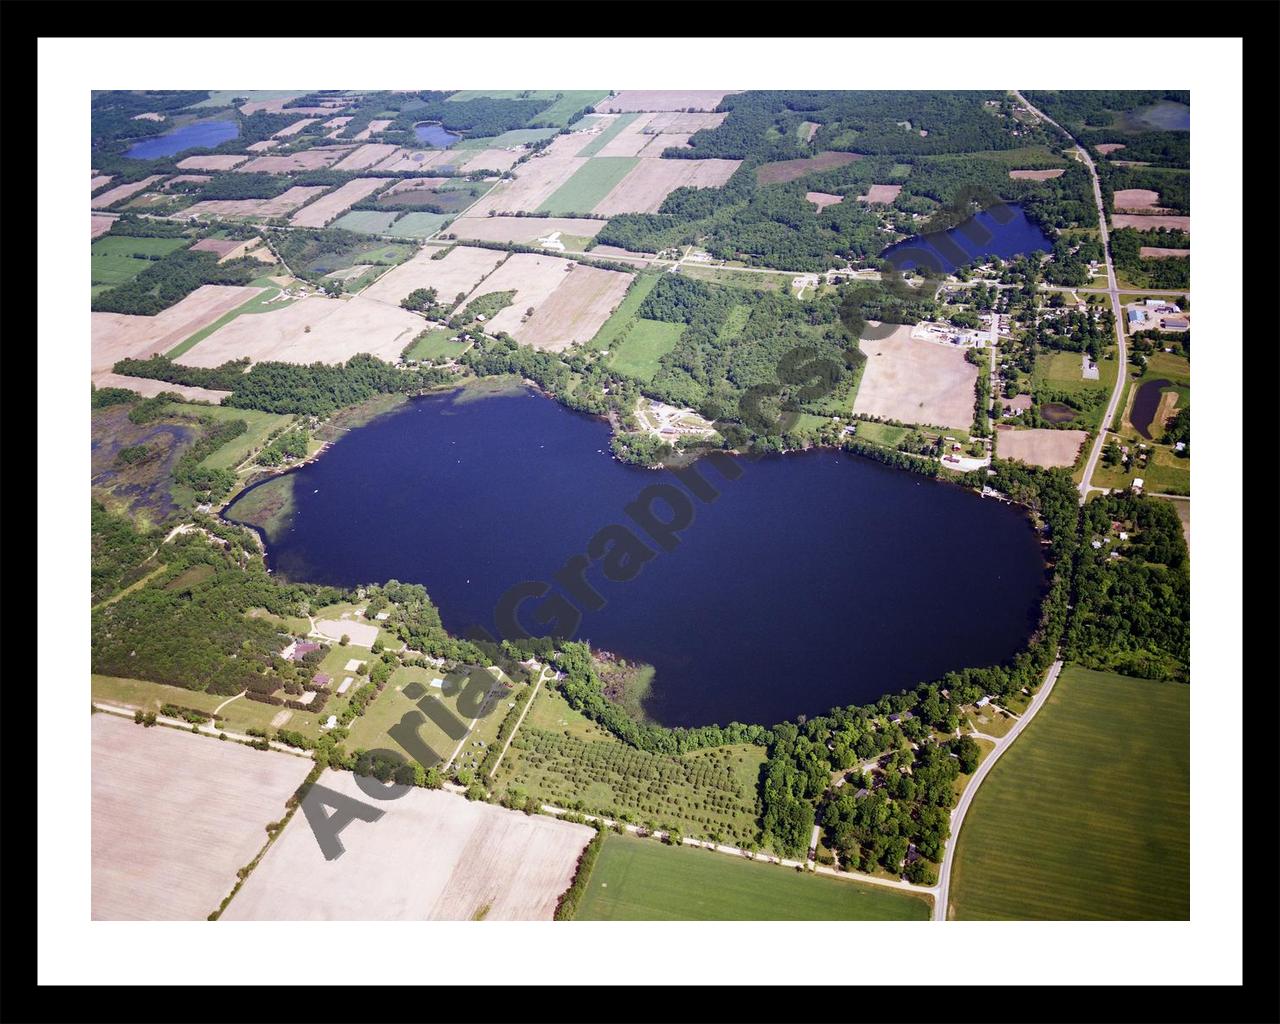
pixel 639 504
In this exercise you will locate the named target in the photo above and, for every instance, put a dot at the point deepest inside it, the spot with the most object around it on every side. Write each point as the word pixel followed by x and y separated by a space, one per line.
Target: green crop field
pixel 366 222
pixel 1087 817
pixel 643 880
pixel 643 345
pixel 640 288
pixel 116 259
pixel 558 114
pixel 600 141
pixel 589 184
pixel 223 97
pixel 418 224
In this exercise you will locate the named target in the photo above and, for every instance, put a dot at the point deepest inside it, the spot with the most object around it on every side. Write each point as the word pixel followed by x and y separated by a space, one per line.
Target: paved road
pixel 943 891
pixel 1112 290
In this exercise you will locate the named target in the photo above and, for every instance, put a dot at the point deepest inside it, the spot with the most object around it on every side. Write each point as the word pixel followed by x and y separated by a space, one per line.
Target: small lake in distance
pixel 985 234
pixel 814 580
pixel 435 135
pixel 200 135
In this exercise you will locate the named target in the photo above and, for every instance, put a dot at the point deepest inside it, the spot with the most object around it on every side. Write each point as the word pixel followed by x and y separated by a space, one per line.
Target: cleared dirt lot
pixel 576 310
pixel 1045 175
pixel 534 183
pixel 1155 252
pixel 118 336
pixel 175 816
pixel 307 160
pixel 1036 447
pixel 881 194
pixel 916 381
pixel 460 271
pixel 650 182
pixel 212 162
pixel 824 199
pixel 365 156
pixel 1149 222
pixel 431 856
pixel 533 278
pixel 339 329
pixel 788 170
pixel 327 207
pixel 98 180
pixel 1136 199
pixel 362 634
pixel 100 224
pixel 114 195
pixel 1109 147
pixel 284 203
pixel 629 100
pixel 522 229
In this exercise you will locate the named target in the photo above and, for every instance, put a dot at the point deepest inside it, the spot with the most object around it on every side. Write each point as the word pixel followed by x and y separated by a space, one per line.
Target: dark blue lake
pixel 1004 232
pixel 813 580
pixel 201 135
pixel 435 135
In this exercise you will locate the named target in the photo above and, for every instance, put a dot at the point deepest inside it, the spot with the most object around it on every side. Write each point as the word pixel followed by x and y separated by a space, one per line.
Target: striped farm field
pixel 1087 816
pixel 643 880
pixel 590 183
pixel 606 136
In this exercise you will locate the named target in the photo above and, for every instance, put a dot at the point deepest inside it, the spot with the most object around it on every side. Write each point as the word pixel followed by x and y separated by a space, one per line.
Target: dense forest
pixel 1126 246
pixel 1133 610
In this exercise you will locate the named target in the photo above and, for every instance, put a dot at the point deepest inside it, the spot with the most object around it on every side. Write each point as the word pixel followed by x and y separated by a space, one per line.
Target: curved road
pixel 942 894
pixel 1116 308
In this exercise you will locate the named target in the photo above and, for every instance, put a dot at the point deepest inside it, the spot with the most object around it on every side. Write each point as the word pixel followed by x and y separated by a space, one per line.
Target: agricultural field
pixel 916 381
pixel 365 156
pixel 588 186
pixel 265 301
pixel 1149 222
pixel 418 224
pixel 568 103
pixel 212 162
pixel 575 311
pixel 117 259
pixel 175 816
pixel 327 207
pixel 1087 816
pixel 625 314
pixel 789 170
pixel 366 222
pixel 458 273
pixel 117 336
pixel 560 757
pixel 643 880
pixel 255 209
pixel 459 860
pixel 629 100
pixel 651 181
pixel 288 163
pixel 647 341
pixel 532 277
pixel 100 224
pixel 313 329
pixel 525 230
pixel 1040 446
pixel 533 185
pixel 120 192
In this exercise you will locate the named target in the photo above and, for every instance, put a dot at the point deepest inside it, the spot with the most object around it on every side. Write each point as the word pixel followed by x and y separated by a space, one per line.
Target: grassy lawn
pixel 589 184
pixel 769 282
pixel 263 302
pixel 644 880
pixel 1087 816
pixel 606 136
pixel 881 433
pixel 562 758
pixel 640 288
pixel 370 730
pixel 646 343
pixel 437 344
pixel 1060 372
pixel 235 451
